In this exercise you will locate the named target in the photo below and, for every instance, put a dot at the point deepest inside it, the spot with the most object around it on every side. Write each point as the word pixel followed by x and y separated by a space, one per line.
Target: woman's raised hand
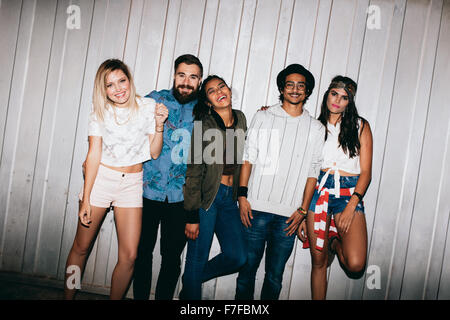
pixel 161 114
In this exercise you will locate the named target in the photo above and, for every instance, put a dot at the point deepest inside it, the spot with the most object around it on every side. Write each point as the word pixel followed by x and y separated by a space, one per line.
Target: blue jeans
pixel 266 228
pixel 336 205
pixel 224 220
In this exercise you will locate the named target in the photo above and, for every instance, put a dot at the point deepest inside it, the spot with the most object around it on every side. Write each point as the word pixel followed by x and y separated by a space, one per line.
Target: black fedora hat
pixel 296 68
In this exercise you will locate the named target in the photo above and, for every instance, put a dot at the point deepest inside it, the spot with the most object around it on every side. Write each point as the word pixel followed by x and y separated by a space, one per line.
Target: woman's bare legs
pixel 128 227
pixel 82 245
pixel 352 249
pixel 319 260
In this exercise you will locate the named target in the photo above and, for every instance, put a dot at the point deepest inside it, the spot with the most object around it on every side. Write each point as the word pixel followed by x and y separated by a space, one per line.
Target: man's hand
pixel 294 221
pixel 263 108
pixel 192 230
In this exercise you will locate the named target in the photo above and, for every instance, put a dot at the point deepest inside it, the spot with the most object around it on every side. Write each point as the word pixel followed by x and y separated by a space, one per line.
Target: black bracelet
pixel 360 197
pixel 242 192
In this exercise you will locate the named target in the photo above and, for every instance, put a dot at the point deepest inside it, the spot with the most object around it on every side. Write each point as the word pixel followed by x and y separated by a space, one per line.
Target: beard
pixel 184 98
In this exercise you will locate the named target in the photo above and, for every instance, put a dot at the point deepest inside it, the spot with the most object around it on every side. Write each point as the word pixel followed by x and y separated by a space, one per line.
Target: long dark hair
pixel 349 134
pixel 202 108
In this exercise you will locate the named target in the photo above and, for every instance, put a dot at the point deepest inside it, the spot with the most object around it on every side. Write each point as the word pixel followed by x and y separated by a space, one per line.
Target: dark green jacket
pixel 203 174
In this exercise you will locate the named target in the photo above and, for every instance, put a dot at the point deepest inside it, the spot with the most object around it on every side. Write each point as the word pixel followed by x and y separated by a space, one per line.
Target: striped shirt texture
pixel 320 216
pixel 284 152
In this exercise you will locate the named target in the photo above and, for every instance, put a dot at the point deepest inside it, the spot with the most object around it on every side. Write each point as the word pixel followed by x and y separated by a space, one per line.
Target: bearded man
pixel 163 185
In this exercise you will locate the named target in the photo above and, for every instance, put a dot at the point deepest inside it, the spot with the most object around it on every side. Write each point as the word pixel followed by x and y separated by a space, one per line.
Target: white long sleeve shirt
pixel 284 151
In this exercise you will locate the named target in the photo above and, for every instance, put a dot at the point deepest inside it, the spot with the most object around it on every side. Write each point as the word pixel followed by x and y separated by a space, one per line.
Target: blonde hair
pixel 100 99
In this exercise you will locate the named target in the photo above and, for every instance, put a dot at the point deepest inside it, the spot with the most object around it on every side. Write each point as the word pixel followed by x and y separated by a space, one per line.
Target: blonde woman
pixel 124 131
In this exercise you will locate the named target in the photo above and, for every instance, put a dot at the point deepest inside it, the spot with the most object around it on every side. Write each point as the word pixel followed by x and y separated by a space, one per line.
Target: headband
pixel 342 85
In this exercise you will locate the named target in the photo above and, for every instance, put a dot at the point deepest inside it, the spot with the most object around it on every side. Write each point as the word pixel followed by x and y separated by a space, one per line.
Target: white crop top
pixel 336 159
pixel 125 140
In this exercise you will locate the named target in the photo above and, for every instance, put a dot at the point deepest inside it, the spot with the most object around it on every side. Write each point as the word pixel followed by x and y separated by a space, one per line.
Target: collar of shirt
pixel 167 98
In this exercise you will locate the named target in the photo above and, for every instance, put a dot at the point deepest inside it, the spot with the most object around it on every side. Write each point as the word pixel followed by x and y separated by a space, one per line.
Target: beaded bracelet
pixel 301 211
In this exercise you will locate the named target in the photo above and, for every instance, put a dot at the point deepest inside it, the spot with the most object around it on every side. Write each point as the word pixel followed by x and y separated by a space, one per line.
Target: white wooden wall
pixel 402 67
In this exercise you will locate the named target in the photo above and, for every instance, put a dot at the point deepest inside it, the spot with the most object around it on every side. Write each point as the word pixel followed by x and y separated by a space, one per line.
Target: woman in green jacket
pixel 210 192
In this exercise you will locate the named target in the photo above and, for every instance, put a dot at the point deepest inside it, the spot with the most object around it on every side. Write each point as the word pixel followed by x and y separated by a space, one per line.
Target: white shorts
pixel 111 187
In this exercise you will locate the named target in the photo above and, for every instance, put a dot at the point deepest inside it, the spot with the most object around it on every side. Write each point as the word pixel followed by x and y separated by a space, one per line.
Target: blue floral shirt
pixel 165 176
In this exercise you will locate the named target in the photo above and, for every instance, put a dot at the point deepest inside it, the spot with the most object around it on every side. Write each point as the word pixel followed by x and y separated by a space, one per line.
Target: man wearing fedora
pixel 282 159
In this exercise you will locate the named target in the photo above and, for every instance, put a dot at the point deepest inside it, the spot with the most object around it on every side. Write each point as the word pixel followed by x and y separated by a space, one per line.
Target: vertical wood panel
pixel 280 50
pixel 189 27
pixel 438 281
pixel 240 67
pixel 56 140
pixel 421 228
pixel 165 73
pixel 431 213
pixel 150 43
pixel 317 52
pixel 444 288
pixel 403 143
pixel 10 15
pixel 374 100
pixel 133 35
pixel 226 32
pixel 23 124
pixel 402 70
pixel 9 26
pixel 260 55
pixel 207 34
